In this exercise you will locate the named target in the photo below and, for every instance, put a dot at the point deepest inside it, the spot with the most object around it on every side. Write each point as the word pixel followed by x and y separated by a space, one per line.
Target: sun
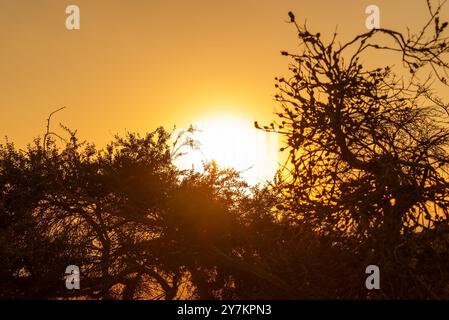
pixel 233 142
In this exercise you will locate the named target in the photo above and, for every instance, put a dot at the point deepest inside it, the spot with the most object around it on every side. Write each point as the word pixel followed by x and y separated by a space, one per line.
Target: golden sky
pixel 138 64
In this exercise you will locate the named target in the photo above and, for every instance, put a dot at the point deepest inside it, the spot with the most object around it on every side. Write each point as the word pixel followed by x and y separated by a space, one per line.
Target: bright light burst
pixel 233 143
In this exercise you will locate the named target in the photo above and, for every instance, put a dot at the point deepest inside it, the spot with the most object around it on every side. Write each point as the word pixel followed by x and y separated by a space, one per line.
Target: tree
pixel 368 149
pixel 135 225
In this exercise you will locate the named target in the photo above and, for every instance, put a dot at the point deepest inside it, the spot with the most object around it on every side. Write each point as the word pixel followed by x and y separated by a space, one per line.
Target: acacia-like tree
pixel 368 146
pixel 137 226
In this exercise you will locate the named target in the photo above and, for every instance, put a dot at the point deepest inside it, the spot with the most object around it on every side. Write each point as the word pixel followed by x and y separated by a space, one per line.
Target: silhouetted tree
pixel 368 149
pixel 136 225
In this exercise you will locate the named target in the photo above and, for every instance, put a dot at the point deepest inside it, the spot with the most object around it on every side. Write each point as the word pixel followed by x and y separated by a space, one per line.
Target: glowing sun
pixel 233 143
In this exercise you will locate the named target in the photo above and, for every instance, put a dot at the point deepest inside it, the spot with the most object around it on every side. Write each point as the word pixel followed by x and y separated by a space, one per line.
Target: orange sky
pixel 138 64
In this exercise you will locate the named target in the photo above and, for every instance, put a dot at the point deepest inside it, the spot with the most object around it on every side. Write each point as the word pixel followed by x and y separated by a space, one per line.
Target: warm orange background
pixel 137 64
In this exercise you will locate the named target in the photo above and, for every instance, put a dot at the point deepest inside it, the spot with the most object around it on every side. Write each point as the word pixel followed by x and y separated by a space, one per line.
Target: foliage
pixel 368 147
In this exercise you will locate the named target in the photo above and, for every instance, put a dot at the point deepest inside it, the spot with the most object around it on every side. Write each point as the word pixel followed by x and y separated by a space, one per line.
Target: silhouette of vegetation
pixel 368 151
pixel 136 225
pixel 366 182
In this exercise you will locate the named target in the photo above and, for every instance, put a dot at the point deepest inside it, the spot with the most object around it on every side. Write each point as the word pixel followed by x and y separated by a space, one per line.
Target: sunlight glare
pixel 233 143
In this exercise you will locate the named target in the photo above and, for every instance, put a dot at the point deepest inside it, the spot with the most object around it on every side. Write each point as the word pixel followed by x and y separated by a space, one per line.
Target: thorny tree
pixel 367 147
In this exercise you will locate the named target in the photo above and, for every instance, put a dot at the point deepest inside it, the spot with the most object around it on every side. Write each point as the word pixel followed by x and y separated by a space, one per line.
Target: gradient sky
pixel 138 64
